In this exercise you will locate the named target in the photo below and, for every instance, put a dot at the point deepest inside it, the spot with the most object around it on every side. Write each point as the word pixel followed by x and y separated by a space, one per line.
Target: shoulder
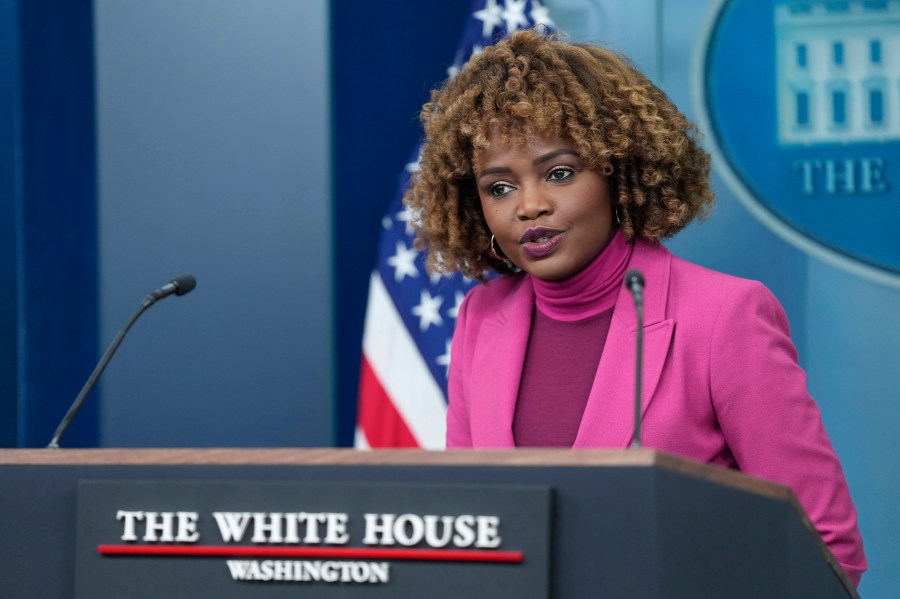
pixel 693 292
pixel 661 266
pixel 725 302
pixel 506 300
pixel 496 293
pixel 704 285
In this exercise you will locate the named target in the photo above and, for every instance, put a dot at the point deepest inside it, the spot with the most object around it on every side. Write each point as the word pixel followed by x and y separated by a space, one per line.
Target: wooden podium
pixel 623 524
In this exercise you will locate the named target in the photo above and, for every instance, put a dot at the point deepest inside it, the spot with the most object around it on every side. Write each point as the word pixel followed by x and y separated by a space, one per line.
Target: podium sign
pixel 592 523
pixel 250 539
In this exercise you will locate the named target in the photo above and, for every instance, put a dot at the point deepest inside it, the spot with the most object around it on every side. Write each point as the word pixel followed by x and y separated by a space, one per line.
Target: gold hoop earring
pixel 494 247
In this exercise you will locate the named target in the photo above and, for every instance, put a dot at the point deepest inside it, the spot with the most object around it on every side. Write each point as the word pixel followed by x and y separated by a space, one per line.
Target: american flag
pixel 410 315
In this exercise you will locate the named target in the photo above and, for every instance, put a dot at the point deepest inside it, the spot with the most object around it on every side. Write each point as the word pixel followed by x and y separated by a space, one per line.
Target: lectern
pixel 341 523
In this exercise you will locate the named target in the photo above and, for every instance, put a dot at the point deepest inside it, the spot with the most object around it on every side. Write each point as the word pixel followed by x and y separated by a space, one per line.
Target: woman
pixel 559 166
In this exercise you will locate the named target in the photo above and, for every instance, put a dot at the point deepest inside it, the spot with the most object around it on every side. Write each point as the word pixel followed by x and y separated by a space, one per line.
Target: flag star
pixel 404 262
pixel 404 216
pixel 444 360
pixel 458 64
pixel 428 310
pixel 435 278
pixel 386 222
pixel 514 14
pixel 454 311
pixel 490 17
pixel 412 167
pixel 540 15
pixel 458 61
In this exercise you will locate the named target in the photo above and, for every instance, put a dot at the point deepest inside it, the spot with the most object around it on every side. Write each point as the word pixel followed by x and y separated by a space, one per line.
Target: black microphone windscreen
pixel 184 284
pixel 634 278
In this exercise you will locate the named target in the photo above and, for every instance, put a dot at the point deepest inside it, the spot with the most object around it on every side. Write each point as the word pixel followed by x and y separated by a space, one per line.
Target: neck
pixel 591 291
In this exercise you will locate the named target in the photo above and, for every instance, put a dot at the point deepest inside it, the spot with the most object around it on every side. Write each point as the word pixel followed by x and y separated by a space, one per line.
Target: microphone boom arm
pixel 634 282
pixel 178 286
pixel 92 380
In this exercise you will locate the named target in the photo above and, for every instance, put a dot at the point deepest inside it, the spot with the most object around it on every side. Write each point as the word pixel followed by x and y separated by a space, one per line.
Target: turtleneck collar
pixel 587 293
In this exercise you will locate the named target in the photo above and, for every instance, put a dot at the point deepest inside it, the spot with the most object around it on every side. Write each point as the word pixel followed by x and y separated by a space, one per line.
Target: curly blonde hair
pixel 531 84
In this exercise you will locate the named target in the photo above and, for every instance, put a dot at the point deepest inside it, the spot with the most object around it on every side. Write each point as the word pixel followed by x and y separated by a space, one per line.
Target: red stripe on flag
pixel 455 555
pixel 382 424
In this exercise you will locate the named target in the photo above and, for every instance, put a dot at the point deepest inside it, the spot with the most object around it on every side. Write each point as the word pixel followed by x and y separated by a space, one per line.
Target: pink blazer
pixel 721 384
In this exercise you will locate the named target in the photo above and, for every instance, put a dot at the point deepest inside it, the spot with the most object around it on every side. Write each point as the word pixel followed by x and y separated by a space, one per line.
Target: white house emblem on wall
pixel 801 100
pixel 838 73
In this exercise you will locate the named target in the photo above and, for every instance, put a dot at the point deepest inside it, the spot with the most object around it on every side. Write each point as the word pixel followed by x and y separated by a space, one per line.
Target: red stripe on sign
pixel 448 555
pixel 381 422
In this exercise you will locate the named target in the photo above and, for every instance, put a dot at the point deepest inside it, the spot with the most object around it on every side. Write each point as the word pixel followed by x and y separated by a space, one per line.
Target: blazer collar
pixel 497 368
pixel 608 419
pixel 499 356
pixel 655 262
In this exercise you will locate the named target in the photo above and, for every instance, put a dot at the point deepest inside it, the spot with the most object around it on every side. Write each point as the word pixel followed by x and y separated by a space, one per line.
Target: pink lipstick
pixel 540 241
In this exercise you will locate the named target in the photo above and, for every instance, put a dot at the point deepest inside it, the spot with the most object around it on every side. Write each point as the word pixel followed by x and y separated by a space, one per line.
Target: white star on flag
pixel 540 15
pixel 454 311
pixel 514 14
pixel 444 359
pixel 404 262
pixel 435 278
pixel 428 310
pixel 404 216
pixel 490 16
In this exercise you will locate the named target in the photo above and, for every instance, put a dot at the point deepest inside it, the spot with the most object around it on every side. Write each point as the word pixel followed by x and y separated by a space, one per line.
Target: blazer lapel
pixel 608 419
pixel 497 364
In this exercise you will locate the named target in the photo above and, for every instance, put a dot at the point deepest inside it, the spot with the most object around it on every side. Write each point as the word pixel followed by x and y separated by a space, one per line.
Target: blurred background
pixel 257 144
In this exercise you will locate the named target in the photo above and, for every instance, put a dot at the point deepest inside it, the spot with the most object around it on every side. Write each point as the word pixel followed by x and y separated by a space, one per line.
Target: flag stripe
pixel 397 363
pixel 381 424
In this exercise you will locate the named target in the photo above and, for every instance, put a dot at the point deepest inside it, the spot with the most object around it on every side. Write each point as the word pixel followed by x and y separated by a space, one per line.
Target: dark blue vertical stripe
pixel 9 60
pixel 375 124
pixel 56 251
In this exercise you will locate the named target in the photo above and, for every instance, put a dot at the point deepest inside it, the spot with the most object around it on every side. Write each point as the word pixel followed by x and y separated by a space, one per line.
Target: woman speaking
pixel 559 167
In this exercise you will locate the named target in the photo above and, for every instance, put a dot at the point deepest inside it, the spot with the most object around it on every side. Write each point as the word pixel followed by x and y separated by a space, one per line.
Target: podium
pixel 622 523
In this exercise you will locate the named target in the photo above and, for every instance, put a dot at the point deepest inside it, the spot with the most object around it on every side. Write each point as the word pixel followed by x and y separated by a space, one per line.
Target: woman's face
pixel 549 213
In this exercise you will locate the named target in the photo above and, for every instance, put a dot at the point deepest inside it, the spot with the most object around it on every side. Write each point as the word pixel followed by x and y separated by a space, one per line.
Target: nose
pixel 533 203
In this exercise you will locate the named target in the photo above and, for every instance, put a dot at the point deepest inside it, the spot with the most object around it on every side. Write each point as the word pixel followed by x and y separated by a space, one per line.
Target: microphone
pixel 181 285
pixel 634 282
pixel 178 286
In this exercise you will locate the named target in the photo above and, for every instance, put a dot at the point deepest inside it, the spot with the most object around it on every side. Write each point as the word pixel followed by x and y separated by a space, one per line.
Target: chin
pixel 552 274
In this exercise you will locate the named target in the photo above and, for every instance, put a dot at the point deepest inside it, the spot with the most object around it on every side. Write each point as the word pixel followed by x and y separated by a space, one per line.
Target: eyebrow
pixel 553 154
pixel 539 160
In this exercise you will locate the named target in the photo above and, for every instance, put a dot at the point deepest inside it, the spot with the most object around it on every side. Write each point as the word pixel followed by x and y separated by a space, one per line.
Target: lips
pixel 538 234
pixel 540 241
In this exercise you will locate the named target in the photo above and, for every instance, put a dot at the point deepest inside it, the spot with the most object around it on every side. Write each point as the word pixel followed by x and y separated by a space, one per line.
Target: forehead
pixel 502 148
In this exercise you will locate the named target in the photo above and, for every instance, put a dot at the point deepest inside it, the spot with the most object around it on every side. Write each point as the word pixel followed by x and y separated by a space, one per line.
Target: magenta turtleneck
pixel 568 332
pixel 589 292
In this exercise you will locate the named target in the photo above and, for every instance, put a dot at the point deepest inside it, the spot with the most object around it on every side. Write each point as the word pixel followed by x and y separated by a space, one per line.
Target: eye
pixel 499 189
pixel 561 173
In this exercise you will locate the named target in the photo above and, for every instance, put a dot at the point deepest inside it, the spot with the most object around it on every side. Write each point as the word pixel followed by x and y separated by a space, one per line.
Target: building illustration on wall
pixel 838 71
